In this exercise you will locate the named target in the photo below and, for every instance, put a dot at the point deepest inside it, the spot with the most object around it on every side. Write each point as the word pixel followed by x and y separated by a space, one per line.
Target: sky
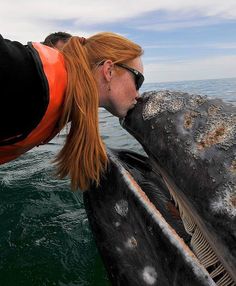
pixel 182 39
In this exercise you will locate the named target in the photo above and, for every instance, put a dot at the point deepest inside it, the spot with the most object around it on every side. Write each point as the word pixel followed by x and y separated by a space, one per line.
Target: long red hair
pixel 83 157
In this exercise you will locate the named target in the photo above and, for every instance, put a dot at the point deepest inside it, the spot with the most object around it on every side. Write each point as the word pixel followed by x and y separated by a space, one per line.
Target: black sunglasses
pixel 138 76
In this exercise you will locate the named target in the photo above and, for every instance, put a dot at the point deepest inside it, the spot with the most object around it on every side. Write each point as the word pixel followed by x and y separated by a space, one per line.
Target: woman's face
pixel 123 91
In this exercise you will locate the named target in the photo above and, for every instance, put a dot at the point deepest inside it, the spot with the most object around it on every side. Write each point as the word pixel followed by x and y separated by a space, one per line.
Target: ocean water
pixel 45 238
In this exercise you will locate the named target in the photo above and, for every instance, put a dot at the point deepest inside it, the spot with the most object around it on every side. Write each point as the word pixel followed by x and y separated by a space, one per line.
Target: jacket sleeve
pixel 23 98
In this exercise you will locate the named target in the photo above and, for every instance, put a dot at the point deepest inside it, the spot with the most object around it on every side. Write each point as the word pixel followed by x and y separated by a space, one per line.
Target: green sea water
pixel 45 238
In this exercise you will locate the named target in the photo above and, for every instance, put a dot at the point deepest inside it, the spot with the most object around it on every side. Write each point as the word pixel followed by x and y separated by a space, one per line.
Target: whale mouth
pixel 196 235
pixel 202 243
pixel 143 221
pixel 137 227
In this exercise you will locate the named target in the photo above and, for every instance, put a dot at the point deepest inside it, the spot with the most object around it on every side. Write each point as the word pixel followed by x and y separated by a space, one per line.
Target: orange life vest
pixel 54 69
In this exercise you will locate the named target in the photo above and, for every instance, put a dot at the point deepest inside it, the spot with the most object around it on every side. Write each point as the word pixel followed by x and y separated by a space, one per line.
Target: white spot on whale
pixel 121 207
pixel 149 275
pixel 118 249
pixel 226 201
pixel 117 224
pixel 131 242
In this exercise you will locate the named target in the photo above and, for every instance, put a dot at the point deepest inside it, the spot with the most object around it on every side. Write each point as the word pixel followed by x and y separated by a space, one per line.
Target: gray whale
pixel 191 142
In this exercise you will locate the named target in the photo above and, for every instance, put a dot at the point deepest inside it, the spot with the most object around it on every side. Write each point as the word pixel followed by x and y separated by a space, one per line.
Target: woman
pixel 43 89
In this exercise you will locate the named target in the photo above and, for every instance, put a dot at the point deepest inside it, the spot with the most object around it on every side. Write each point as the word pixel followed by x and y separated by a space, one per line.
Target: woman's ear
pixel 107 70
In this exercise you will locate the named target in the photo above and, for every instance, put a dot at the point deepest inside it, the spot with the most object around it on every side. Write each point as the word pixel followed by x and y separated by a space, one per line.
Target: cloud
pixel 226 45
pixel 204 68
pixel 178 24
pixel 29 20
pixel 33 19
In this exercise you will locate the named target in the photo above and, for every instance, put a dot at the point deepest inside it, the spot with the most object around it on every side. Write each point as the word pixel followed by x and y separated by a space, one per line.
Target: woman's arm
pixel 22 95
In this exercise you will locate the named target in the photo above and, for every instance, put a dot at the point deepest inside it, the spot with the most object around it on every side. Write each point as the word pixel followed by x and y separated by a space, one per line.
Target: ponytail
pixel 83 156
